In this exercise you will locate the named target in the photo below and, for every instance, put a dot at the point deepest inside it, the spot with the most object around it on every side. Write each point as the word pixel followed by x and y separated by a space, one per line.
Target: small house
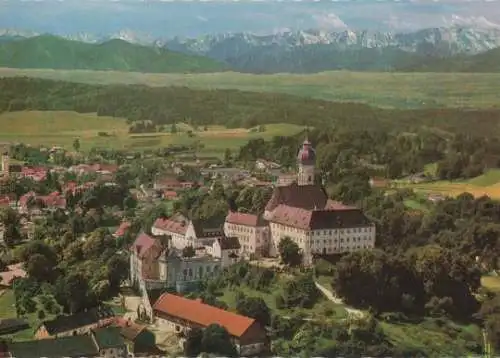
pixel 227 249
pixel 79 323
pixel 138 337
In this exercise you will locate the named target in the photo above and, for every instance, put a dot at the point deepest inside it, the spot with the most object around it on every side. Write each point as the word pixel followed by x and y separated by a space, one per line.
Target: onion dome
pixel 307 155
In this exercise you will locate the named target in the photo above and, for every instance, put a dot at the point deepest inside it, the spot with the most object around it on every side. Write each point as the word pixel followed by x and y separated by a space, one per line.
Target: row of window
pixel 240 228
pixel 326 232
pixel 329 250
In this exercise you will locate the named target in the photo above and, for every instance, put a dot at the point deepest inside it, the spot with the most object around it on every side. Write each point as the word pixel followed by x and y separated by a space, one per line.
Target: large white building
pixel 185 232
pixel 302 211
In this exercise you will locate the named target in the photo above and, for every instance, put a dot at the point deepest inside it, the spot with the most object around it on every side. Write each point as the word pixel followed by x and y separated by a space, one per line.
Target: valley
pixel 61 128
pixel 381 89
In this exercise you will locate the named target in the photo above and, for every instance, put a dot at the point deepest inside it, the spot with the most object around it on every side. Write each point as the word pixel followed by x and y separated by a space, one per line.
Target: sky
pixel 169 18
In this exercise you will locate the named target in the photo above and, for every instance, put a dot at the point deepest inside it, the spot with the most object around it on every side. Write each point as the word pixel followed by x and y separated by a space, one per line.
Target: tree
pixel 217 340
pixel 490 314
pixel 73 293
pixel 188 251
pixel 3 266
pixel 39 267
pixel 76 145
pixel 129 202
pixel 192 345
pixel 254 307
pixel 289 252
pixel 12 223
pixel 227 156
pixel 173 128
pixel 117 268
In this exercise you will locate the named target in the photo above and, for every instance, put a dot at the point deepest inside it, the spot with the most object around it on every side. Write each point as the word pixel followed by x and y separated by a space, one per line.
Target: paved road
pixel 329 294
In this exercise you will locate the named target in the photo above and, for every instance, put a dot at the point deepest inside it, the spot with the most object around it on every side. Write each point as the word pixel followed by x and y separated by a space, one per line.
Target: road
pixel 353 312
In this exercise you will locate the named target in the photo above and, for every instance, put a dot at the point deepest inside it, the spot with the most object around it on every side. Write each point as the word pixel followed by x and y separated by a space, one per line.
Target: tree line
pixel 231 108
pixel 342 154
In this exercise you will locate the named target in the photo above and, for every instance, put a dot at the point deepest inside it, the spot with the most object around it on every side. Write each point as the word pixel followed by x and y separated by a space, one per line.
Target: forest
pixel 343 155
pixel 233 108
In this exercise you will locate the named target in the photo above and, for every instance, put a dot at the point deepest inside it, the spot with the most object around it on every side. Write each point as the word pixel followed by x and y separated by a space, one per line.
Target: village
pixel 172 255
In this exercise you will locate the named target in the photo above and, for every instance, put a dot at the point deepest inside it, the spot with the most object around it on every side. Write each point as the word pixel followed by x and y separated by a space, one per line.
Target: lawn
pixel 61 128
pixel 322 310
pixel 393 90
pixel 448 339
pixel 8 310
pixel 491 283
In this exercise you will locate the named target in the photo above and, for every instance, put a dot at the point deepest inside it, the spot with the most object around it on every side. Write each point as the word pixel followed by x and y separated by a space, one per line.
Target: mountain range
pixel 461 49
pixel 47 51
pixel 313 51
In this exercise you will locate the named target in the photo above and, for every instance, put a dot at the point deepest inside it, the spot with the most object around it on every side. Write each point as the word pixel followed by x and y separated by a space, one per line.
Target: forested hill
pixel 53 52
pixel 486 62
pixel 233 108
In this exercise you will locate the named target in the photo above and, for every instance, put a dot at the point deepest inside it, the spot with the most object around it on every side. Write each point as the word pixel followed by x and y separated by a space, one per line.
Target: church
pixel 302 211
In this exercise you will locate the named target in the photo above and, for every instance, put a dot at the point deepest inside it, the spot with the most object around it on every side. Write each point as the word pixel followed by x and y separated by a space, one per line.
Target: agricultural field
pixel 61 128
pixel 486 184
pixel 491 283
pixel 389 90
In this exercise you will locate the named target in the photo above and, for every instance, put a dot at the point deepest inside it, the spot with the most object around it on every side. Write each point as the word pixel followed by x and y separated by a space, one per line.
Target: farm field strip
pixel 393 90
pixel 61 128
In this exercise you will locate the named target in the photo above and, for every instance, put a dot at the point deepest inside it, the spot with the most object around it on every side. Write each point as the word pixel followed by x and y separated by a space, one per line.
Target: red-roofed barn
pixel 179 314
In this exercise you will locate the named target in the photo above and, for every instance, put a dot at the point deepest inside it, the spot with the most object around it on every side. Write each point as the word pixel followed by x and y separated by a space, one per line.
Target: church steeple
pixel 306 160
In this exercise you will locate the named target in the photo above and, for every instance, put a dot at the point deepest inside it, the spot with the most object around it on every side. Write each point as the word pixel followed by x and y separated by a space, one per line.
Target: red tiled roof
pixel 35 173
pixel 122 229
pixel 319 219
pixel 4 200
pixel 70 186
pixel 14 271
pixel 202 314
pixel 168 181
pixel 337 205
pixel 298 196
pixel 177 224
pixel 244 219
pixel 130 330
pixel 54 201
pixel 170 193
pixel 23 200
pixel 142 244
pixel 107 167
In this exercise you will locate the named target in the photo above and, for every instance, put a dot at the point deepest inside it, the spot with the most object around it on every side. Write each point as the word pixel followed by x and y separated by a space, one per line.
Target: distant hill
pixel 318 58
pixel 486 62
pixel 47 51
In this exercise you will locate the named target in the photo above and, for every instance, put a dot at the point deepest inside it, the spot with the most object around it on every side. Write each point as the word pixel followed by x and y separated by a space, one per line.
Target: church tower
pixel 5 163
pixel 306 161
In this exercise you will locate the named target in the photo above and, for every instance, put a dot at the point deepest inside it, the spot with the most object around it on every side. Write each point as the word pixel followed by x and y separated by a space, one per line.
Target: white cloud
pixel 395 22
pixel 329 21
pixel 476 21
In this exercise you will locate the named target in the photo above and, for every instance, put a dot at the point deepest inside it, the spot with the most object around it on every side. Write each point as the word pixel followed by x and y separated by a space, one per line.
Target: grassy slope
pixel 486 184
pixel 425 335
pixel 56 53
pixel 396 90
pixel 61 128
